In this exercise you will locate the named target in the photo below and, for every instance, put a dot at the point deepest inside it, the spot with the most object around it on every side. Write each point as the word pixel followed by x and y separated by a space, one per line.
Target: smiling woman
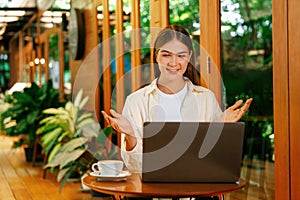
pixel 173 96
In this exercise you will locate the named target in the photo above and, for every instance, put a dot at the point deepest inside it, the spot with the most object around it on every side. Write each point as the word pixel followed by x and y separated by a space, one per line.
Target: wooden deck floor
pixel 20 180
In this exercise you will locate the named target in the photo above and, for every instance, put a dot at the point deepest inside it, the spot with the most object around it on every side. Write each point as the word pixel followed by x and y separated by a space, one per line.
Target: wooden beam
pixel 33 17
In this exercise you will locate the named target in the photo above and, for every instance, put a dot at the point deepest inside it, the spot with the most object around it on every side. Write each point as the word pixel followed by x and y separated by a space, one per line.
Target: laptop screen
pixel 192 151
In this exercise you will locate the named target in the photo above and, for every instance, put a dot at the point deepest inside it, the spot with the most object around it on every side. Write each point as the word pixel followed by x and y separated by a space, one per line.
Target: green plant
pixel 26 111
pixel 63 124
pixel 5 104
pixel 69 136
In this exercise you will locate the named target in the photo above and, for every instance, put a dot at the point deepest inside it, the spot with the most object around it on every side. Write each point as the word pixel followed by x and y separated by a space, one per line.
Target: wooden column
pixel 281 100
pixel 38 47
pixel 61 63
pixel 135 45
pixel 120 94
pixel 294 101
pixel 210 41
pixel 286 73
pixel 46 57
pixel 106 57
pixel 159 13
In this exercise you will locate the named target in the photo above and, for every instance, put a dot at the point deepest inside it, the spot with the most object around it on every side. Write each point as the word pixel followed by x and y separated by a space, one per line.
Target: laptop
pixel 192 151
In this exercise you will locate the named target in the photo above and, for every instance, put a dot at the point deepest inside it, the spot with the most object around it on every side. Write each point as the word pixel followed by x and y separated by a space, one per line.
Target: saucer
pixel 120 177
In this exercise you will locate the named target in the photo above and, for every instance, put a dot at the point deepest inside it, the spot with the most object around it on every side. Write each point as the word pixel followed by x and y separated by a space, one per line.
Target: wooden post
pixel 119 57
pixel 210 41
pixel 106 57
pixel 159 12
pixel 135 45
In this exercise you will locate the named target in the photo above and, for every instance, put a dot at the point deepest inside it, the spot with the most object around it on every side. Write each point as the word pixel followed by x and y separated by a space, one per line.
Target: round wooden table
pixel 134 187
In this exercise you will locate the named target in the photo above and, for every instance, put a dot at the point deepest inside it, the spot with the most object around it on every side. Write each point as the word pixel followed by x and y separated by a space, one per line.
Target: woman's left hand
pixel 234 113
pixel 118 122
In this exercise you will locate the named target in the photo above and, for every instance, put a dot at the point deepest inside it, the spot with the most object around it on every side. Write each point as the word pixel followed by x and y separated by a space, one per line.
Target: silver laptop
pixel 192 151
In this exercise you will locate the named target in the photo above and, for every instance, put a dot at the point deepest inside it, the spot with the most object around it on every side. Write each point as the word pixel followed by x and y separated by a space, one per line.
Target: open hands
pixel 121 125
pixel 234 113
pixel 118 122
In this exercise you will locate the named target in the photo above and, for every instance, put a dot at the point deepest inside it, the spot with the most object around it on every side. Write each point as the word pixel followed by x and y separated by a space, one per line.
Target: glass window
pixel 246 31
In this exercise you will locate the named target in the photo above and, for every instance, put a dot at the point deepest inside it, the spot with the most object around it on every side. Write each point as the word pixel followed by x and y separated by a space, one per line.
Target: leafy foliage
pixel 188 18
pixel 5 103
pixel 26 111
pixel 72 139
pixel 247 53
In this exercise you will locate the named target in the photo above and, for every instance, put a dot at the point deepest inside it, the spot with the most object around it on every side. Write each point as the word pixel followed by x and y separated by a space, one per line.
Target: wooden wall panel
pixel 294 94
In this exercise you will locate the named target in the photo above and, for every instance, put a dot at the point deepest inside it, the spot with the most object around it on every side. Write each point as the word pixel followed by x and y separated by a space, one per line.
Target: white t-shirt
pixel 169 105
pixel 199 104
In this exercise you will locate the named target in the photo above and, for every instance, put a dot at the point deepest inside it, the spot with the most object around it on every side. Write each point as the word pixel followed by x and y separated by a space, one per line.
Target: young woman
pixel 173 96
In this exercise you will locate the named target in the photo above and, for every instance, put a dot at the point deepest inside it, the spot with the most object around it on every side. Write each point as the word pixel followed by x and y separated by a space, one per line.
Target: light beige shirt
pixel 199 104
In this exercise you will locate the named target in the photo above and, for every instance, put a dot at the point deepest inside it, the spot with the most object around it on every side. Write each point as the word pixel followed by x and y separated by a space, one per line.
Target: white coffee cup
pixel 108 167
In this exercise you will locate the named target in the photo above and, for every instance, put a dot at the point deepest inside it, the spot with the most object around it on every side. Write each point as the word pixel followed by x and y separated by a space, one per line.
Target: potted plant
pixel 69 137
pixel 26 112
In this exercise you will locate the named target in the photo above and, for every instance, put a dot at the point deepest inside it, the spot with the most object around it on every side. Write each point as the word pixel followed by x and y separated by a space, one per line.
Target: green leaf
pixel 63 158
pixel 83 102
pixel 74 143
pixel 51 144
pixel 64 134
pixel 21 126
pixel 68 105
pixel 62 173
pixel 90 130
pixel 68 174
pixel 104 134
pixel 46 119
pixel 10 130
pixel 78 98
pixel 16 107
pixel 23 98
pixel 32 116
pixel 54 151
pixel 107 131
pixel 58 158
pixel 84 116
pixel 55 111
pixel 33 90
pixel 72 111
pixel 71 156
pixel 86 122
pixel 47 138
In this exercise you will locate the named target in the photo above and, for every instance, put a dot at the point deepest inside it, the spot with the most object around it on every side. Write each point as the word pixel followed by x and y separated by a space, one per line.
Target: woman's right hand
pixel 121 125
